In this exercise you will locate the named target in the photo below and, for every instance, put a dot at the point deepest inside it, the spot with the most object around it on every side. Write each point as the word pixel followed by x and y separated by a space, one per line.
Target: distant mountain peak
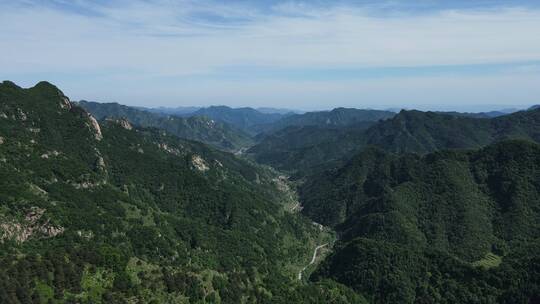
pixel 199 128
pixel 47 88
pixel 8 83
pixel 45 84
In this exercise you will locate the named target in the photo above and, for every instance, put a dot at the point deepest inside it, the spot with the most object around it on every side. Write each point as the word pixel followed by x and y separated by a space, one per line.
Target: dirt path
pixel 315 252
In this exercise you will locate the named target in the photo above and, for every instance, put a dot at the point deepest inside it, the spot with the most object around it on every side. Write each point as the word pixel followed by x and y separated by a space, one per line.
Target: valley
pixel 313 259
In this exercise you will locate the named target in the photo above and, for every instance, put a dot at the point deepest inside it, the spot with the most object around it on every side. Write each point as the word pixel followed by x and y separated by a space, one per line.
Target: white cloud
pixel 166 38
pixel 138 40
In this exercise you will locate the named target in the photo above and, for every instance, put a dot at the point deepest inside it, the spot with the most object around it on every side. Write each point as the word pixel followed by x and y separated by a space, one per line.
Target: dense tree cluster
pixel 448 227
pixel 106 213
pixel 109 214
pixel 308 149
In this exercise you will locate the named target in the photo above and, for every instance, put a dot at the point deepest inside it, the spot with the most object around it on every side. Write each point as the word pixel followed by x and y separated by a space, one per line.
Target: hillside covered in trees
pixel 105 212
pixel 306 150
pixel 447 227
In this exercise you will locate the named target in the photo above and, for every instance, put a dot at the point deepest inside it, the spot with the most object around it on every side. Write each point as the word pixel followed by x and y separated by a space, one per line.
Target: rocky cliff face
pixel 199 163
pixel 94 125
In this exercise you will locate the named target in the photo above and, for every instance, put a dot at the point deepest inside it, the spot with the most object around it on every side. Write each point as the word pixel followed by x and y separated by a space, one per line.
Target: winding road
pixel 315 252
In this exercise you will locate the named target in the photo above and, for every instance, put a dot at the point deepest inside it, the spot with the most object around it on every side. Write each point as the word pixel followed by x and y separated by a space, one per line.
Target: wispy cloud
pixel 149 40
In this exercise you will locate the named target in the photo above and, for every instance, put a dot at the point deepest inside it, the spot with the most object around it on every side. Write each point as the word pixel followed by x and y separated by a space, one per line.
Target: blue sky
pixel 443 55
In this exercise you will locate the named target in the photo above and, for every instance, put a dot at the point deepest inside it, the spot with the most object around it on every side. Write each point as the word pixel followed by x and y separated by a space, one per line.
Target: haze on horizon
pixel 464 55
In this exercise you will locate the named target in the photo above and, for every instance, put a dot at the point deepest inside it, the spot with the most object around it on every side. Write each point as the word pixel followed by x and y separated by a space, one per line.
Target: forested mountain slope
pixel 314 140
pixel 109 213
pixel 424 132
pixel 447 227
pixel 306 150
pixel 199 128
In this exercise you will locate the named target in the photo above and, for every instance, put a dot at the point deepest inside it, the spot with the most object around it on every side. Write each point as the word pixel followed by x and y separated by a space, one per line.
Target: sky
pixel 461 55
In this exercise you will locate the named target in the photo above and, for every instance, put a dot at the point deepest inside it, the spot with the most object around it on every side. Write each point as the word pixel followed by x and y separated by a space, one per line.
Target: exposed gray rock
pixel 124 123
pixel 89 184
pixel 32 226
pixel 171 150
pixel 199 163
pixel 50 154
pixel 65 103
pixel 21 115
pixel 94 125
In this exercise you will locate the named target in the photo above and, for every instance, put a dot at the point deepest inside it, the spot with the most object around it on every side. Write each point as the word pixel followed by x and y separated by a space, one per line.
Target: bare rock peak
pixel 94 125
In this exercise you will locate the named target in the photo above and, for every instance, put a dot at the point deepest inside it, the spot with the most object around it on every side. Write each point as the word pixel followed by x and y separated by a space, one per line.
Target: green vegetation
pixel 447 227
pixel 310 150
pixel 104 213
pixel 424 132
pixel 489 261
pixel 306 149
pixel 314 141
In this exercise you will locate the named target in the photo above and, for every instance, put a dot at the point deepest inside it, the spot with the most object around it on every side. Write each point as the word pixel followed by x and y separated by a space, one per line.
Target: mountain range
pixel 246 119
pixel 106 211
pixel 338 117
pixel 309 148
pixel 199 128
pixel 105 203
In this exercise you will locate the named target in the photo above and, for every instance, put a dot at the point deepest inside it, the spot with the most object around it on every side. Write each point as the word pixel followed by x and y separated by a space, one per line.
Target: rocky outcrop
pixel 199 163
pixel 88 184
pixel 21 115
pixel 85 234
pixel 100 163
pixel 281 183
pixel 124 123
pixel 35 189
pixel 50 154
pixel 65 103
pixel 168 149
pixel 34 225
pixel 94 125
